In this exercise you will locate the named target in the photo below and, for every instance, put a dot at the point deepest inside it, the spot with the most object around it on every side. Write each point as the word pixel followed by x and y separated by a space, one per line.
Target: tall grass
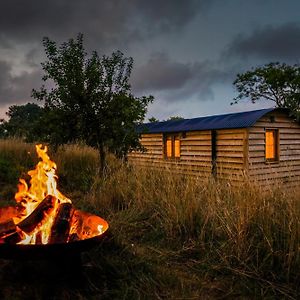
pixel 174 236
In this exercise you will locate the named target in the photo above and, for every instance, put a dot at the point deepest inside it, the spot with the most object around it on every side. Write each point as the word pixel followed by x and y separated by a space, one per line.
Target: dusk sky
pixel 186 52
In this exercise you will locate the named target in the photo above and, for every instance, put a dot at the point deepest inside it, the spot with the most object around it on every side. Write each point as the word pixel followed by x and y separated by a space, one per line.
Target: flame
pixel 43 182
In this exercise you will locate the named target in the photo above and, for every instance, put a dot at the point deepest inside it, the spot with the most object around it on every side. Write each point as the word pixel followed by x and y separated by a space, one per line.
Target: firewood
pixel 61 225
pixel 14 238
pixel 74 237
pixel 38 238
pixel 38 215
pixel 7 228
pixel 10 234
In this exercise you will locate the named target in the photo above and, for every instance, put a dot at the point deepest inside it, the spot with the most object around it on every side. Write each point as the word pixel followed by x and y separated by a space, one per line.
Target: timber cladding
pixel 287 166
pixel 230 154
pixel 195 154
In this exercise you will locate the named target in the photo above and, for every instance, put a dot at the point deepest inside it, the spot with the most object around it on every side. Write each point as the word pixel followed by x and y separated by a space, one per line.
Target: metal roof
pixel 233 120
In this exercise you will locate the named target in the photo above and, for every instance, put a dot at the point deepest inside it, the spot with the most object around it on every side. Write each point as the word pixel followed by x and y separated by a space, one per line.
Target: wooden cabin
pixel 261 145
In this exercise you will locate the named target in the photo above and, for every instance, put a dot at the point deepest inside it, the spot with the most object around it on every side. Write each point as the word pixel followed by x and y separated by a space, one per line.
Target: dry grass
pixel 175 237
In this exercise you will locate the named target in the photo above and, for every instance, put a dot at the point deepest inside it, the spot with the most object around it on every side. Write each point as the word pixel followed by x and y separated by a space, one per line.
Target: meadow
pixel 170 237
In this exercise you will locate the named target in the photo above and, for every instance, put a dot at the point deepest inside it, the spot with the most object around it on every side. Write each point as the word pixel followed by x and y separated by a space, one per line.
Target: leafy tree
pixel 23 122
pixel 276 82
pixel 2 128
pixel 153 120
pixel 91 99
pixel 175 118
pixel 172 118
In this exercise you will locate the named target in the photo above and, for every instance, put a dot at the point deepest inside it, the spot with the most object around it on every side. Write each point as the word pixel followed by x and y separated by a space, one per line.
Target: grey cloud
pixel 107 25
pixel 176 81
pixel 160 73
pixel 16 89
pixel 105 22
pixel 169 15
pixel 272 43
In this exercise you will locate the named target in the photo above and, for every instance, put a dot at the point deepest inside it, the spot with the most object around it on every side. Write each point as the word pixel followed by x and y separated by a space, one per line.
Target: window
pixel 272 142
pixel 172 146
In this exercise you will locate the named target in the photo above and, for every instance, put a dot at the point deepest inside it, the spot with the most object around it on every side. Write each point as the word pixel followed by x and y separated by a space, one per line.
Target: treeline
pixel 25 122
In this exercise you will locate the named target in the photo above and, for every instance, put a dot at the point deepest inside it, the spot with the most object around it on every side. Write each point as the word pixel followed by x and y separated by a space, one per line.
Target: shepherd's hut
pixel 261 145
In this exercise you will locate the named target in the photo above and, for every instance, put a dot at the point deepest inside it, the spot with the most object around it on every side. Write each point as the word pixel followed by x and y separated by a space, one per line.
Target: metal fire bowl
pixel 57 250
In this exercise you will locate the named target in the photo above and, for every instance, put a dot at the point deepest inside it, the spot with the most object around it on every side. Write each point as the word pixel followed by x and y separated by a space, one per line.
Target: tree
pixel 23 122
pixel 2 129
pixel 276 82
pixel 91 99
pixel 153 120
pixel 175 118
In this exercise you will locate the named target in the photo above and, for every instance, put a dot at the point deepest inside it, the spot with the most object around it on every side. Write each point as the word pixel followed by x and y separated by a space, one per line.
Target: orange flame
pixel 42 183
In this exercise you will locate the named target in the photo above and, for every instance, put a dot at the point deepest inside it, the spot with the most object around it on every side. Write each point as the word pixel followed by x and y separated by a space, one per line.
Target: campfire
pixel 43 215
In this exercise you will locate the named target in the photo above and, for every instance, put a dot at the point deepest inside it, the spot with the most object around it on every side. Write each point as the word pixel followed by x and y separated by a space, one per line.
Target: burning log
pixel 14 238
pixel 61 226
pixel 12 233
pixel 7 228
pixel 53 220
pixel 9 233
pixel 38 215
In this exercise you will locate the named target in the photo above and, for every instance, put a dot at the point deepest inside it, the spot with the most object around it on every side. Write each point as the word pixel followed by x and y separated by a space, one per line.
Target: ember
pixel 43 215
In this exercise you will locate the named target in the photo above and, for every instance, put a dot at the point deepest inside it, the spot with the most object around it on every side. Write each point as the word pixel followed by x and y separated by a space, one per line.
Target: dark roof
pixel 233 120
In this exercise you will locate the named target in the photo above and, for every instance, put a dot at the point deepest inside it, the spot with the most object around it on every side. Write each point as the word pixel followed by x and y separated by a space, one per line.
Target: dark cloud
pixel 168 15
pixel 271 43
pixel 176 80
pixel 16 89
pixel 106 23
pixel 160 73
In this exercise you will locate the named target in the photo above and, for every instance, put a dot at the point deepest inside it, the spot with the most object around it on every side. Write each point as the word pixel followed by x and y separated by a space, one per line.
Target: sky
pixel 186 53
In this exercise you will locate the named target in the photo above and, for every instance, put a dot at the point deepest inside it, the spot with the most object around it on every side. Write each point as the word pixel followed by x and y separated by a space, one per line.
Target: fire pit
pixel 44 223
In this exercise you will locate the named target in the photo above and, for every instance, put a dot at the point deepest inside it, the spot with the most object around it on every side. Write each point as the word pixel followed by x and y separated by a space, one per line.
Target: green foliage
pixel 153 120
pixel 8 172
pixel 24 122
pixel 91 99
pixel 276 82
pixel 175 118
pixel 172 118
pixel 8 180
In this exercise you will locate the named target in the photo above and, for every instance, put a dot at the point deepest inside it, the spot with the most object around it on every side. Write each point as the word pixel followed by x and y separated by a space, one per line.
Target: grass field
pixel 171 237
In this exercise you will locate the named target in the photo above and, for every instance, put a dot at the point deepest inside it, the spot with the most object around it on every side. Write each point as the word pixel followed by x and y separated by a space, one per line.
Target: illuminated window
pixel 272 142
pixel 169 146
pixel 172 146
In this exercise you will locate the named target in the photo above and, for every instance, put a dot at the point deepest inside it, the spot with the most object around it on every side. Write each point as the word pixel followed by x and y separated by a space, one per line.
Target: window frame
pixel 174 137
pixel 276 158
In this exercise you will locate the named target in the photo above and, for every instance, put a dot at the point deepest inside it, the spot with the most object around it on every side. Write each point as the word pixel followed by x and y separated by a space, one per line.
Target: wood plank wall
pixel 153 156
pixel 231 154
pixel 196 156
pixel 287 169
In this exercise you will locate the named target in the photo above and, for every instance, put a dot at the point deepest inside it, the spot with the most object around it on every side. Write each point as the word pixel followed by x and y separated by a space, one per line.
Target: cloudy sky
pixel 186 52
